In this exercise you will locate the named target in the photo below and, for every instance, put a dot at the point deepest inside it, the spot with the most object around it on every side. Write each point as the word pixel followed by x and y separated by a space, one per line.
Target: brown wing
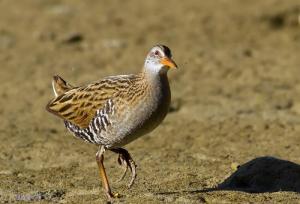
pixel 79 105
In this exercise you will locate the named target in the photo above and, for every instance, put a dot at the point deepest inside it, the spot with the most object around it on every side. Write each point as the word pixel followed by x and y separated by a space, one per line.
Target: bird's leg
pixel 126 160
pixel 103 176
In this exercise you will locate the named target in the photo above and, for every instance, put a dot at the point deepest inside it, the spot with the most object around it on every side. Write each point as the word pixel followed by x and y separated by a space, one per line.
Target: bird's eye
pixel 156 53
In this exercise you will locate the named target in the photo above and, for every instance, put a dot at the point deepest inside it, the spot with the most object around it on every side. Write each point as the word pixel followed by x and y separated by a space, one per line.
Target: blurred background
pixel 235 96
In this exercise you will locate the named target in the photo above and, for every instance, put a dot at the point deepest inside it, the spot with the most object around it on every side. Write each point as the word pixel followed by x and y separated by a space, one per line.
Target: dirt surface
pixel 236 97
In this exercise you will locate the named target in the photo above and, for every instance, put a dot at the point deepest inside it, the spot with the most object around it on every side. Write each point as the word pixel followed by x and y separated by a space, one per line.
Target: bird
pixel 116 110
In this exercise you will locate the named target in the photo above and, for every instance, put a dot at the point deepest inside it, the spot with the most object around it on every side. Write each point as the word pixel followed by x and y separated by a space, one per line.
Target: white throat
pixel 154 69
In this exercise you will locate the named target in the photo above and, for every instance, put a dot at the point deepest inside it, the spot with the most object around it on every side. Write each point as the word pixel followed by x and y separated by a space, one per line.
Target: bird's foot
pixel 111 196
pixel 125 160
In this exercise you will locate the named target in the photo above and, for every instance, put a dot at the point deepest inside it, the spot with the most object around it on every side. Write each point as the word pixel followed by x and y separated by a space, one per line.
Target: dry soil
pixel 235 97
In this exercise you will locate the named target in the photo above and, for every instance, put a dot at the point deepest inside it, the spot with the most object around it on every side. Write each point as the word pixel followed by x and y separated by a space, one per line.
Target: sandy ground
pixel 236 97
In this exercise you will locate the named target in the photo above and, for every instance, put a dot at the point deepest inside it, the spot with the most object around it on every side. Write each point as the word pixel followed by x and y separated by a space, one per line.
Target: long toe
pixel 126 160
pixel 132 167
pixel 124 165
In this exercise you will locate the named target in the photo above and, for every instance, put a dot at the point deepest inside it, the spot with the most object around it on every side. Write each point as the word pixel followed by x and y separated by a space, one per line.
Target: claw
pixel 112 196
pixel 116 195
pixel 125 160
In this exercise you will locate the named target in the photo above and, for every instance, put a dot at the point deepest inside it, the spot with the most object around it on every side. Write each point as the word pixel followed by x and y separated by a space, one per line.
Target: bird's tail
pixel 60 86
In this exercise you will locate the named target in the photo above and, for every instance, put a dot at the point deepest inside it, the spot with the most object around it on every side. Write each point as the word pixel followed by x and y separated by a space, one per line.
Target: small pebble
pixel 72 38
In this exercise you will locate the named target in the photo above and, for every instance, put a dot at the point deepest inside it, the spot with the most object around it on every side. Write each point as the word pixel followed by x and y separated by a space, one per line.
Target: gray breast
pixel 147 114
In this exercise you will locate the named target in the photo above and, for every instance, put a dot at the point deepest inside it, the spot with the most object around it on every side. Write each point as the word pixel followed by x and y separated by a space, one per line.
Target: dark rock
pixel 264 174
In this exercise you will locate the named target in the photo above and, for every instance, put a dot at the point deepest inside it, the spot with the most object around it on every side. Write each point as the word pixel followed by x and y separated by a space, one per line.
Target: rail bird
pixel 116 110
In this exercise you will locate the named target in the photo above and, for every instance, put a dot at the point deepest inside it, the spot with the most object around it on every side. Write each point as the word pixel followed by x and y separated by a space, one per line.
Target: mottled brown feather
pixel 79 105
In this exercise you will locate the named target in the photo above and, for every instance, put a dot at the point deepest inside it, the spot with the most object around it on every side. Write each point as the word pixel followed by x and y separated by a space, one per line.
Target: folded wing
pixel 79 105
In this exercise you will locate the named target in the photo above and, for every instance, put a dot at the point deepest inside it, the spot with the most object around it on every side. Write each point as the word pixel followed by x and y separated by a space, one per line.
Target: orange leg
pixel 105 183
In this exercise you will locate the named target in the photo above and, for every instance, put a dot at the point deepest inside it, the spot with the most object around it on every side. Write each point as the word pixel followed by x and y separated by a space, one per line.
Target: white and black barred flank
pixel 99 123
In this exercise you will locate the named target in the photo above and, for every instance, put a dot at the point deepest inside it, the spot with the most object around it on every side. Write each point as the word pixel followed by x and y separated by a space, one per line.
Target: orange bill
pixel 168 62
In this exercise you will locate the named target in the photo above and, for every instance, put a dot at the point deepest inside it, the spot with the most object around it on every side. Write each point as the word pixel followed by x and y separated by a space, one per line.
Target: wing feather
pixel 79 105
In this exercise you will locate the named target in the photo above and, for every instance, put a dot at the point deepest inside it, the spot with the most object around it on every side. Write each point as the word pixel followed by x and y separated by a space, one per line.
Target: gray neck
pixel 158 83
pixel 151 74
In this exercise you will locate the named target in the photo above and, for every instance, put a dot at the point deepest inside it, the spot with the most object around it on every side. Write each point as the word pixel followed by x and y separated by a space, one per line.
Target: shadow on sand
pixel 260 175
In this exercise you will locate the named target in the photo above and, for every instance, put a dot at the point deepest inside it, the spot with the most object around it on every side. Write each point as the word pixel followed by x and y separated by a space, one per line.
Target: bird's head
pixel 159 59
